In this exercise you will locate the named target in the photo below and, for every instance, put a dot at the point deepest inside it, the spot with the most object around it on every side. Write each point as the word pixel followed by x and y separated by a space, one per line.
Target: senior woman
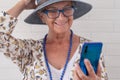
pixel 56 56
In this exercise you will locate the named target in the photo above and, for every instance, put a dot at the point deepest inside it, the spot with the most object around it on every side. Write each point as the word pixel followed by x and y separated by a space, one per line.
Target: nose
pixel 61 15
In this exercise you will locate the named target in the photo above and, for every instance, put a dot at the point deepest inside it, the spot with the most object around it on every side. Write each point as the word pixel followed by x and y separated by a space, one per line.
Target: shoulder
pixel 83 39
pixel 30 43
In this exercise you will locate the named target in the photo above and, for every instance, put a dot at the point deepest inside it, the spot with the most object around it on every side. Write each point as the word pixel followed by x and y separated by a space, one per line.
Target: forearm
pixel 16 9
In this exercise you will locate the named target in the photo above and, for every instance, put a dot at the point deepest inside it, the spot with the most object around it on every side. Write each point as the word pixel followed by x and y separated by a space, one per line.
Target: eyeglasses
pixel 54 13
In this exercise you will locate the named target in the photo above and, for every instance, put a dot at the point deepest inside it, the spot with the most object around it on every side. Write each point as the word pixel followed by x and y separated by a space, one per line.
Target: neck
pixel 58 38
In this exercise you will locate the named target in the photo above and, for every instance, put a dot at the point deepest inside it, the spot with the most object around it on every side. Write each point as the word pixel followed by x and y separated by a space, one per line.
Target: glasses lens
pixel 53 13
pixel 68 11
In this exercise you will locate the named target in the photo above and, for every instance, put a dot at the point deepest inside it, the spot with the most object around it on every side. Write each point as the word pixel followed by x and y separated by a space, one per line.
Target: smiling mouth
pixel 60 24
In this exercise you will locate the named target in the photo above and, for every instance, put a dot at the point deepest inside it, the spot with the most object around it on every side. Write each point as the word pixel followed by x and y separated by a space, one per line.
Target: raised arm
pixel 8 19
pixel 19 51
pixel 20 6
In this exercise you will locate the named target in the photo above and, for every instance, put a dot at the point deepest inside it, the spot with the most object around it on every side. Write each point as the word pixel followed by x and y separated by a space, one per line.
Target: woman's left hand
pixel 79 75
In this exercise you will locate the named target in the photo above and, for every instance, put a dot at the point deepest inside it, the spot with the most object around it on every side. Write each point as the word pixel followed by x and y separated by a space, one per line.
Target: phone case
pixel 90 51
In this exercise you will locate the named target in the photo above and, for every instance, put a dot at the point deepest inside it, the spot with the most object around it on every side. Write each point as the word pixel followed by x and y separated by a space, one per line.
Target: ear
pixel 41 16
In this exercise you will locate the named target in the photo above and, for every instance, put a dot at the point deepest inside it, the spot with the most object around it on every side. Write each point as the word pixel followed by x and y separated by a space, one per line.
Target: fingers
pixel 76 77
pixel 89 67
pixel 79 73
pixel 99 70
pixel 30 4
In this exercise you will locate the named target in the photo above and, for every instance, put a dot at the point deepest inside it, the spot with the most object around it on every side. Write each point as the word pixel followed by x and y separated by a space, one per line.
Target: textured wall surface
pixel 101 24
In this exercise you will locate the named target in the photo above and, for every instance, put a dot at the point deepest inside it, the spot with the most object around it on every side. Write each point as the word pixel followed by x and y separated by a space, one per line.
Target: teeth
pixel 60 23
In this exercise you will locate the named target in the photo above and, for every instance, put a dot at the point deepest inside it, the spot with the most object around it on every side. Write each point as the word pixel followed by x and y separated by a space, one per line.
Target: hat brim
pixel 82 9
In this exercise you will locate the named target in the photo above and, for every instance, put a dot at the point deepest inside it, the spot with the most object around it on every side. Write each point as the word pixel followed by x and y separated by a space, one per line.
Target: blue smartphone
pixel 90 51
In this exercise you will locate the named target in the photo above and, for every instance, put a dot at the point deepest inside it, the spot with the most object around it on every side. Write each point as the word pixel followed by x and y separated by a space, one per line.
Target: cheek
pixel 70 20
pixel 49 22
pixel 46 19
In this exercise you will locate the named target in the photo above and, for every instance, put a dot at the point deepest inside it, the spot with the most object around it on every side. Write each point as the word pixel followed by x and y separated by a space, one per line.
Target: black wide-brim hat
pixel 81 9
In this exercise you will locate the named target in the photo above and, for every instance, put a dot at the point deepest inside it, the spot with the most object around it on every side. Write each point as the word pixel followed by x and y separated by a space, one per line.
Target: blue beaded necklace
pixel 67 59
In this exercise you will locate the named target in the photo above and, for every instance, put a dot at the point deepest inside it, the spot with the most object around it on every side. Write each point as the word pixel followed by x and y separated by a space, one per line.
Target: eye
pixel 67 9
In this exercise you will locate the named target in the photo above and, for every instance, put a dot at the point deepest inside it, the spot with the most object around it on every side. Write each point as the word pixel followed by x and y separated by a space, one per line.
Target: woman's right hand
pixel 20 6
pixel 79 75
pixel 29 4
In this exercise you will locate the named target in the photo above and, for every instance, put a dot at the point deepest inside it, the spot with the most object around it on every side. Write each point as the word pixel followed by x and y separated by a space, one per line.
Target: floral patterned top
pixel 28 54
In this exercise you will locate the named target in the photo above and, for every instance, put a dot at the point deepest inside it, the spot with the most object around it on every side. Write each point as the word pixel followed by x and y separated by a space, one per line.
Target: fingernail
pixel 86 60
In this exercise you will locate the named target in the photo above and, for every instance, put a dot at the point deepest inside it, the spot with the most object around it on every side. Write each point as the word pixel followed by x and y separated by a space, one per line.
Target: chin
pixel 61 31
pixel 61 28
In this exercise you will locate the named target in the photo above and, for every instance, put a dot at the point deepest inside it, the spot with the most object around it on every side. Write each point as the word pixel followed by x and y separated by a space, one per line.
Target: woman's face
pixel 62 23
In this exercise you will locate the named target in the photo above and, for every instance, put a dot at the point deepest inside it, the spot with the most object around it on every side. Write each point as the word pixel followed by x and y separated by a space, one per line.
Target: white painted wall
pixel 101 24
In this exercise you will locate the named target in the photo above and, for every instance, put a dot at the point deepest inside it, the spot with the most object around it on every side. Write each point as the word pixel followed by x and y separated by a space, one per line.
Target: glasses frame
pixel 59 11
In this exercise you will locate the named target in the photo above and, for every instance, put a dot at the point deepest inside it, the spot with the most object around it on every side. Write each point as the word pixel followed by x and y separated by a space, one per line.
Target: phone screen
pixel 90 51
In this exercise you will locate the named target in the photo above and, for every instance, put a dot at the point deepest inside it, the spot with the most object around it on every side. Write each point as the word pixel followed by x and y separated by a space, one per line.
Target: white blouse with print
pixel 28 54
